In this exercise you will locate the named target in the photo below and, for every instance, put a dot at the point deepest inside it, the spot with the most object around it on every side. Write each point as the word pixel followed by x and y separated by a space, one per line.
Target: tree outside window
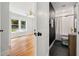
pixel 14 25
pixel 23 24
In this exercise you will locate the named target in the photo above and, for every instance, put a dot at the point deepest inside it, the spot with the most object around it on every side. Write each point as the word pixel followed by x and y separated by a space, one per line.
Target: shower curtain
pixel 64 25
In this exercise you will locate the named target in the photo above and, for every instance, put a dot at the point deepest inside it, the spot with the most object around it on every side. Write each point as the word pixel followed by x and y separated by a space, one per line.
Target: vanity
pixel 72 44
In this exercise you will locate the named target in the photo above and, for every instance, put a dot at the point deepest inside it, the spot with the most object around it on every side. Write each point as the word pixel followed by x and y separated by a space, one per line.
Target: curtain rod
pixel 66 15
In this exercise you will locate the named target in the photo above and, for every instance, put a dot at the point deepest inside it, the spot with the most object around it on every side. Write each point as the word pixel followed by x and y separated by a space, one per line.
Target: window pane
pixel 14 25
pixel 14 21
pixel 23 24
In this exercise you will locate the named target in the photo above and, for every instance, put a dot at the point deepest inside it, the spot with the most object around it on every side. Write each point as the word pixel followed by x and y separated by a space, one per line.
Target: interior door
pixel 4 28
pixel 43 28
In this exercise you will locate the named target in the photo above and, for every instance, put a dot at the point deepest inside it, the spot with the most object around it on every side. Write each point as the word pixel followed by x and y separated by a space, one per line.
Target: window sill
pixel 18 33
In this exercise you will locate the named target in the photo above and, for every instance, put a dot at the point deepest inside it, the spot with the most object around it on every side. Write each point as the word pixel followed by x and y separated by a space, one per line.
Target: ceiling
pixel 21 7
pixel 62 5
pixel 25 7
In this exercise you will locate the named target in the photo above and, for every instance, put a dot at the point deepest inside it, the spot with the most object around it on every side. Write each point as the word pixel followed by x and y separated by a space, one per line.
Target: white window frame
pixel 20 32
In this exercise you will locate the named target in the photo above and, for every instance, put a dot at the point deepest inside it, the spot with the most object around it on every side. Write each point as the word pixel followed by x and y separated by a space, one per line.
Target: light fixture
pixel 30 14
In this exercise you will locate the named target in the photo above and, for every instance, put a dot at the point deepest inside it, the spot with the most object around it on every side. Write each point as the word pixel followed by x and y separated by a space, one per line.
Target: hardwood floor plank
pixel 23 46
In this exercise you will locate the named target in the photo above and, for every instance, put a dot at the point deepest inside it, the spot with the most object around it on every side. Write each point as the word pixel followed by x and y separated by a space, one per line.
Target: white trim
pixel 77 12
pixel 51 45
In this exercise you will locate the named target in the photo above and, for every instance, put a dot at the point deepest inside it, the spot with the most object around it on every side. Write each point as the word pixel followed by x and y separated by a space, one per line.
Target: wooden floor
pixel 23 46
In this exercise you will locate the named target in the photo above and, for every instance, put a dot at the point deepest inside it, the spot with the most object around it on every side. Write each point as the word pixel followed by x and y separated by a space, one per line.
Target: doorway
pixel 64 29
pixel 22 28
pixel 22 19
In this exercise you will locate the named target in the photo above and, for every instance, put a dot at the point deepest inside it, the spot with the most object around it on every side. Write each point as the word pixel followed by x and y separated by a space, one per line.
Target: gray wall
pixel 51 24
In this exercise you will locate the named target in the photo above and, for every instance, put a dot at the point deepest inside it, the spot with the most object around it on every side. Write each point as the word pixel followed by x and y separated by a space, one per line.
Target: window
pixel 17 25
pixel 23 24
pixel 14 25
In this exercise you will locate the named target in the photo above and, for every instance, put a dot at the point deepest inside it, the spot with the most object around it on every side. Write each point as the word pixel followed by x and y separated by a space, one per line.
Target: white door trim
pixel 4 27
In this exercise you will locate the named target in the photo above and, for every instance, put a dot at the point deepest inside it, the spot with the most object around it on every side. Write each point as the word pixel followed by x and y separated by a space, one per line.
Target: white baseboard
pixel 51 45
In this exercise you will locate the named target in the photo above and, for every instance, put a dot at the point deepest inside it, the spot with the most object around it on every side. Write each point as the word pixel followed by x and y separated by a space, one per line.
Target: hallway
pixel 58 49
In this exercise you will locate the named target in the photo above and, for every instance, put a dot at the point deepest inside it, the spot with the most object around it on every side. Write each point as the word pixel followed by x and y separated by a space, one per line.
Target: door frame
pixel 77 41
pixel 5 27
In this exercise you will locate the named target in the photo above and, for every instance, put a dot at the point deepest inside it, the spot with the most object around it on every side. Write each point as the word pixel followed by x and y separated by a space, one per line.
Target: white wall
pixel 64 24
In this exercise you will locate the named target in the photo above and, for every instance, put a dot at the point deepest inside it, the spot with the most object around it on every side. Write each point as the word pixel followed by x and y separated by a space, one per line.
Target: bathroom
pixel 62 28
